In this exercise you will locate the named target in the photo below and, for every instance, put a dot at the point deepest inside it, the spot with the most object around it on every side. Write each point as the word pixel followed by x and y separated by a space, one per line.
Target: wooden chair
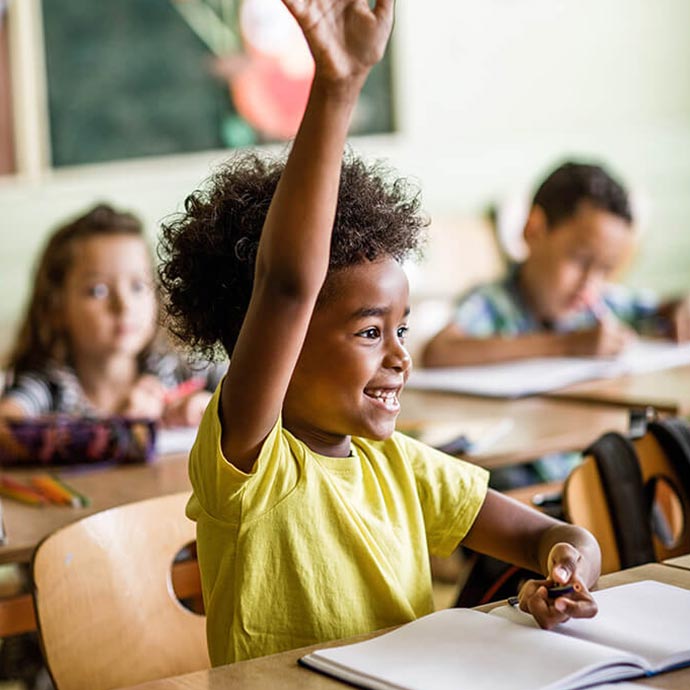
pixel 106 611
pixel 585 504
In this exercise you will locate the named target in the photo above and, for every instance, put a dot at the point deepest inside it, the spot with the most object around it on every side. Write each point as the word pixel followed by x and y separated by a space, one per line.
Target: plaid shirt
pixel 498 308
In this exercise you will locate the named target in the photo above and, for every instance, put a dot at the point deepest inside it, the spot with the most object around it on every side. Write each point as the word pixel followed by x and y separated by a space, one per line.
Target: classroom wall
pixel 490 94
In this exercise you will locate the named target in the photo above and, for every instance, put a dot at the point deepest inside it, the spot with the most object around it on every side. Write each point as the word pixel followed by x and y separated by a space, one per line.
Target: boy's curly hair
pixel 208 252
pixel 571 183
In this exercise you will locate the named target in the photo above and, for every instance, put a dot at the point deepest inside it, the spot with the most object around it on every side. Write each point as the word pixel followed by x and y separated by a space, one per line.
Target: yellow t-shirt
pixel 308 548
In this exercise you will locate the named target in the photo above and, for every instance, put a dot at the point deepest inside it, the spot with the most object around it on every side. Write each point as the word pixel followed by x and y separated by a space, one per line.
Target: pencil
pixel 53 491
pixel 3 533
pixel 183 389
pixel 11 488
pixel 83 501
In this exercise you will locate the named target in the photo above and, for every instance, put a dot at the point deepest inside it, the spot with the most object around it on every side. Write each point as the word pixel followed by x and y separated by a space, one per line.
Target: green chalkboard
pixel 130 78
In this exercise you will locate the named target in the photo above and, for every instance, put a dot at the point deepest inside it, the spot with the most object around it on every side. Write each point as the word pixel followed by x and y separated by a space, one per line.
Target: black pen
pixel 551 593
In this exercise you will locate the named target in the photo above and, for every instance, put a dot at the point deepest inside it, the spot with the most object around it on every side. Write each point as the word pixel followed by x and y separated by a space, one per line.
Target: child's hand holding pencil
pixel 609 336
pixel 185 404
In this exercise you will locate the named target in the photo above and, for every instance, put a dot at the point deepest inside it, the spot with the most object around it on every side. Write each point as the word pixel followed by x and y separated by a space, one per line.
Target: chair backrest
pixel 106 610
pixel 666 498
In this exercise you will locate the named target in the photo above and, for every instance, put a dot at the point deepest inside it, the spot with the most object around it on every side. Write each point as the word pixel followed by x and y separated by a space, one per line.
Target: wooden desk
pixel 541 425
pixel 281 670
pixel 667 390
pixel 680 561
pixel 27 525
pixel 107 487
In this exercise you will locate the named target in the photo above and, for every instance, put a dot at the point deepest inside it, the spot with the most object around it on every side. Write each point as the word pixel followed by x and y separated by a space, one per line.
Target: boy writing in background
pixel 314 519
pixel 557 302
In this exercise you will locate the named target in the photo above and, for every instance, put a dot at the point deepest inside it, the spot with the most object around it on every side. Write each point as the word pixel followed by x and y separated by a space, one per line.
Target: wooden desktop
pixel 668 391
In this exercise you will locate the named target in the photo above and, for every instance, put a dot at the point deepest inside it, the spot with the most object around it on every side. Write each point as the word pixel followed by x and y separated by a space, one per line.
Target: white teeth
pixel 388 397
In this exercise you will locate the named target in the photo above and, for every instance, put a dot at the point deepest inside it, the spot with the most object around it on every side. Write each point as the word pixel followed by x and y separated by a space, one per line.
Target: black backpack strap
pixel 628 503
pixel 673 436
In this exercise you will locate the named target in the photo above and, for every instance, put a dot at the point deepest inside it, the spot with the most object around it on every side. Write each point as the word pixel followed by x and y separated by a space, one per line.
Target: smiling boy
pixel 315 519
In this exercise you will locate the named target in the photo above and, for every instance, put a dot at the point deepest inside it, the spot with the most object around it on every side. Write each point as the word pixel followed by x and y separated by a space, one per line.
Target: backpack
pixel 634 495
pixel 612 493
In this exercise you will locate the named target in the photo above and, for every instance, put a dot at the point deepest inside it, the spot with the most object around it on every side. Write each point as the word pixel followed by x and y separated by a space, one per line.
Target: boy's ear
pixel 536 226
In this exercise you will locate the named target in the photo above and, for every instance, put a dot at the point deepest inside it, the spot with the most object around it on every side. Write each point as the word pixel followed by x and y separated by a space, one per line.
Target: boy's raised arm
pixel 346 38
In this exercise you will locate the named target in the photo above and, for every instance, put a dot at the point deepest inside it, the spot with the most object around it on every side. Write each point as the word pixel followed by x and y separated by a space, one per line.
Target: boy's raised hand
pixel 346 37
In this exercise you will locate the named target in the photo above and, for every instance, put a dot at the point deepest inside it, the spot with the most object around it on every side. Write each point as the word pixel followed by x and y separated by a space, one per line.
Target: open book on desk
pixel 641 629
pixel 543 374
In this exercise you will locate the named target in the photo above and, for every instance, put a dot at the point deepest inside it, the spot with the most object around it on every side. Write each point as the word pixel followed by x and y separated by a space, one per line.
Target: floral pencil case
pixel 61 440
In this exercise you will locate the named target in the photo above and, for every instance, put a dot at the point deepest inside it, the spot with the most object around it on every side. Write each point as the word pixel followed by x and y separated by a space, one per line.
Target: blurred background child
pixel 89 344
pixel 558 302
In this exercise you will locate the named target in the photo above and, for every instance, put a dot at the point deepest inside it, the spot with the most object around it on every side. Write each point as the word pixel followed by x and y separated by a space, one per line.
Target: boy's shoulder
pixel 403 447
pixel 494 307
pixel 637 307
pixel 617 294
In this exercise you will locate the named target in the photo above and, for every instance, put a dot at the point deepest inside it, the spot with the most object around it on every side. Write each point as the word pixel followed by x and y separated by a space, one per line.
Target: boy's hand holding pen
pixel 562 595
pixel 607 338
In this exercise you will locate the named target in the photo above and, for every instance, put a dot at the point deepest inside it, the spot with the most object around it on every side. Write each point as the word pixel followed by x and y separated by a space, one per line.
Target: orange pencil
pixel 81 499
pixel 46 485
pixel 14 489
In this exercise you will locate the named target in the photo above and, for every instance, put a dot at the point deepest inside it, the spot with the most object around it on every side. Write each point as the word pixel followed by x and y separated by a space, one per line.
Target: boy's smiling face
pixel 353 364
pixel 570 263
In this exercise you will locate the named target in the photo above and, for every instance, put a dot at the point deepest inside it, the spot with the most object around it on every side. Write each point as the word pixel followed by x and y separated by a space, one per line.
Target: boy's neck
pixel 319 442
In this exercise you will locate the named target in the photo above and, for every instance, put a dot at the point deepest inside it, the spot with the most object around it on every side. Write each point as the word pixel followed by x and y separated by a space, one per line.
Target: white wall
pixel 490 95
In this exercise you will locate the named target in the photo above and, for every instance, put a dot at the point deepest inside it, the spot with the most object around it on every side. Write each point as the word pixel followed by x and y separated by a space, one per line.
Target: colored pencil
pixel 183 389
pixel 3 533
pixel 83 501
pixel 55 493
pixel 19 492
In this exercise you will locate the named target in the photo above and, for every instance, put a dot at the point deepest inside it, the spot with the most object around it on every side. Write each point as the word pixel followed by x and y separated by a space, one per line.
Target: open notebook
pixel 543 374
pixel 642 628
